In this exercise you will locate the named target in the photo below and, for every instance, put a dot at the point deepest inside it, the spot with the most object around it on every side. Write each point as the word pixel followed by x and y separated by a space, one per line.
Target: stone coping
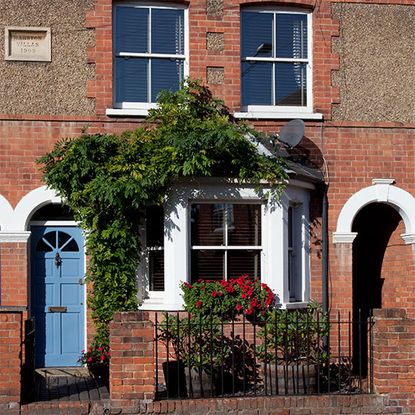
pixel 12 309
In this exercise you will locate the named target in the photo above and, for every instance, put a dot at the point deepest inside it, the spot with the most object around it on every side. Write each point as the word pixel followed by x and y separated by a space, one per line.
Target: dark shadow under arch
pixel 52 211
pixel 374 225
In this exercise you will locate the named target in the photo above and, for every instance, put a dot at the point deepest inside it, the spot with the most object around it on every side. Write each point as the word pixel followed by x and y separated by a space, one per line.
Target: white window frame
pixel 277 111
pixel 274 222
pixel 125 108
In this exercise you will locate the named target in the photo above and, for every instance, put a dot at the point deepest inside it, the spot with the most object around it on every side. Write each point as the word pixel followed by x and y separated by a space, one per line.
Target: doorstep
pixel 66 391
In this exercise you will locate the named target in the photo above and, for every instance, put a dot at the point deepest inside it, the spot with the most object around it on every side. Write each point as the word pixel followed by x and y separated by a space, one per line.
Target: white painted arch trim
pixel 17 220
pixel 381 191
pixel 6 212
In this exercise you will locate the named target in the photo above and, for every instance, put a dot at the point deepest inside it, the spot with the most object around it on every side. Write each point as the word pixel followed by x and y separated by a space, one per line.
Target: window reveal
pixel 225 240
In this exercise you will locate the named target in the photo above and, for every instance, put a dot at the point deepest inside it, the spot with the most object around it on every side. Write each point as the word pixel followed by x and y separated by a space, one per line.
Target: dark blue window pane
pixel 131 80
pixel 256 33
pixel 256 83
pixel 291 84
pixel 291 36
pixel 131 28
pixel 167 31
pixel 165 74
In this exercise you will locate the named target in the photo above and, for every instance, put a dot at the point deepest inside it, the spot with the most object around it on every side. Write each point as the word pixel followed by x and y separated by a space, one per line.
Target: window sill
pixel 126 112
pixel 293 306
pixel 274 115
pixel 149 305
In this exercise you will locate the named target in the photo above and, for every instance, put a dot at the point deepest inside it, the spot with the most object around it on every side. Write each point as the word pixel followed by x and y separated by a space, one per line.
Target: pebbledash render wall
pixel 363 53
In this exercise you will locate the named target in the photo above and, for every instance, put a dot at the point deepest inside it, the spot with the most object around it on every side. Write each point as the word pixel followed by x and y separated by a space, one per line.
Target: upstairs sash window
pixel 275 58
pixel 149 46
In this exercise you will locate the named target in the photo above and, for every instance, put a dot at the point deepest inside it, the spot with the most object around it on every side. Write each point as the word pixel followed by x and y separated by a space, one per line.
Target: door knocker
pixel 58 259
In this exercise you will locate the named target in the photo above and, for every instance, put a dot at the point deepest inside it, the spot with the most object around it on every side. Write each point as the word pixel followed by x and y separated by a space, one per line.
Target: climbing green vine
pixel 108 180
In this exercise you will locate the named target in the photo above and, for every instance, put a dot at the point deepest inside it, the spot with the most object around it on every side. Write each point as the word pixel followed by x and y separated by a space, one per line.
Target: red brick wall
pixel 397 268
pixel 132 362
pixel 394 357
pixel 132 372
pixel 228 22
pixel 13 272
pixel 10 360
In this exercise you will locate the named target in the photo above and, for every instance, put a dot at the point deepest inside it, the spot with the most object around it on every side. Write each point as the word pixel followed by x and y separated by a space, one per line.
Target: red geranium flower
pixel 214 294
pixel 198 304
pixel 238 307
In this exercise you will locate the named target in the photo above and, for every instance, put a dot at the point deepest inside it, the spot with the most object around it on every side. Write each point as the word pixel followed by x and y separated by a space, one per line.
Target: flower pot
pixel 100 373
pixel 200 383
pixel 291 379
pixel 175 379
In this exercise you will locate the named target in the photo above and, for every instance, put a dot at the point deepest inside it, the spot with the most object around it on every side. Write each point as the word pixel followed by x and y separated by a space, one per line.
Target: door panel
pixel 57 267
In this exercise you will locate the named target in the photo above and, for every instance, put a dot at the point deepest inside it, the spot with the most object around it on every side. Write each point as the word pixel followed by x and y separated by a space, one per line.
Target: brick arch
pixel 381 191
pixel 6 212
pixel 286 3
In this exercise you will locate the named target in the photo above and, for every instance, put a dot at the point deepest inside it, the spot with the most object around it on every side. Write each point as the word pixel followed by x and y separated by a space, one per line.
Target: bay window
pixel 224 230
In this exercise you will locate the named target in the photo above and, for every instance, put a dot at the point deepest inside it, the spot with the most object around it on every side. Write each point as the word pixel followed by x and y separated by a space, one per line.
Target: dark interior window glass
pixel 71 246
pixel 155 243
pixel 156 268
pixel 225 226
pixel 42 246
pixel 207 264
pixel 51 238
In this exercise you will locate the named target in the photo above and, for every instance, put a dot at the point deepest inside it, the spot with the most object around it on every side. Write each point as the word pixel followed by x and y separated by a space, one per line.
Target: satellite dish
pixel 292 133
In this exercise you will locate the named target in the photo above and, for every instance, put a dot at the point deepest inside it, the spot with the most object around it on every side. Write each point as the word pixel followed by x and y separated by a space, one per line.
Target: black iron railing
pixel 288 353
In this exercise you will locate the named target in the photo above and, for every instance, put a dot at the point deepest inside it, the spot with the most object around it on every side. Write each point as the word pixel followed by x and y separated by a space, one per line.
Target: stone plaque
pixel 27 44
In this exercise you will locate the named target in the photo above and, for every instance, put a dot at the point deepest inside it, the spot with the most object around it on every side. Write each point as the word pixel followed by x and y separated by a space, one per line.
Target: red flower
pixel 198 304
pixel 238 307
pixel 187 285
pixel 101 358
pixel 214 294
pixel 249 311
pixel 230 289
pixel 220 293
pixel 89 359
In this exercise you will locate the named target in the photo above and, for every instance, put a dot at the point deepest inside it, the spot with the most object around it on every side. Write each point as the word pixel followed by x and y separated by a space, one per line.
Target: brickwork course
pixel 363 55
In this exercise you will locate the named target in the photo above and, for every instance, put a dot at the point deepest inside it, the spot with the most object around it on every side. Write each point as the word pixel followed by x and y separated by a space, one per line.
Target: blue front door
pixel 57 294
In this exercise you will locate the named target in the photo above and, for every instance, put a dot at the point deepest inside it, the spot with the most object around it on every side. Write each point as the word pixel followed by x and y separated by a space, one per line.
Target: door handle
pixel 56 309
